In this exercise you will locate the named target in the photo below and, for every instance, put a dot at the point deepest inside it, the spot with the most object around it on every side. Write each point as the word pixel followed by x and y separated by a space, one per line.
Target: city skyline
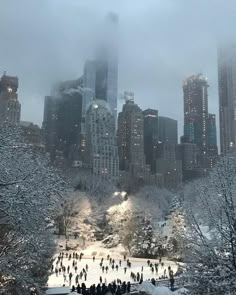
pixel 156 78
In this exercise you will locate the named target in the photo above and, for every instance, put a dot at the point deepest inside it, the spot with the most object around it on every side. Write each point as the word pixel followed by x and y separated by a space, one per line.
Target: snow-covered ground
pixel 94 270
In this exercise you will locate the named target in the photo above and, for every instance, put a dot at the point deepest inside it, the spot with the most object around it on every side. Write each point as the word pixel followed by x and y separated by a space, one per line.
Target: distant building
pixel 10 108
pixel 167 130
pixel 227 97
pixel 197 119
pixel 32 133
pixel 106 63
pixel 212 140
pixel 63 119
pixel 89 83
pixel 101 146
pixel 188 153
pixel 168 165
pixel 130 136
pixel 150 137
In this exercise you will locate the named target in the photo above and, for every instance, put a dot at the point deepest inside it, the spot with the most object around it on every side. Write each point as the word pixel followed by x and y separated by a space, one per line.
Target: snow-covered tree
pixel 29 191
pixel 211 244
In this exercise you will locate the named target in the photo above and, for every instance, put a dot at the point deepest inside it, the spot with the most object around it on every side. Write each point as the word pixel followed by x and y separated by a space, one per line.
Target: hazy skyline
pixel 160 44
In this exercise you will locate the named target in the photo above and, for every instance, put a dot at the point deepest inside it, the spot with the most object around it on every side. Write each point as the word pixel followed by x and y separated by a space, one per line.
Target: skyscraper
pixel 150 137
pixel 227 97
pixel 167 130
pixel 63 119
pixel 10 108
pixel 101 146
pixel 130 136
pixel 106 61
pixel 212 140
pixel 196 114
pixel 89 82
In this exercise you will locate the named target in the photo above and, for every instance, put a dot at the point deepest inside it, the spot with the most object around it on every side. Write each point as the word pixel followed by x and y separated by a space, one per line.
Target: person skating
pixel 86 267
pixel 107 269
pixel 70 277
pixel 77 279
pixel 85 276
pixel 120 262
pixel 125 269
pixel 93 258
pixel 116 267
pixel 100 279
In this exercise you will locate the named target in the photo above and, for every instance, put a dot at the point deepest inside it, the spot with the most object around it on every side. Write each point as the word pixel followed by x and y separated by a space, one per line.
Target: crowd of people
pixel 68 265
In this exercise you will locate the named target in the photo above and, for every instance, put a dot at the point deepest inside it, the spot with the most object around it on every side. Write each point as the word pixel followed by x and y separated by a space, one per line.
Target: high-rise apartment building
pixel 130 136
pixel 167 130
pixel 101 145
pixel 196 114
pixel 150 117
pixel 10 108
pixel 227 97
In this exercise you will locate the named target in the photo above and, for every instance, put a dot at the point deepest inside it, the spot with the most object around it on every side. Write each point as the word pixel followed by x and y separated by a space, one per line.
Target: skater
pixel 120 262
pixel 86 267
pixel 142 269
pixel 64 277
pixel 125 269
pixel 70 277
pixel 85 276
pixel 100 279
pixel 116 267
pixel 103 268
pixel 68 269
pixel 107 269
pixel 148 262
pixel 108 257
pixel 93 258
pixel 77 279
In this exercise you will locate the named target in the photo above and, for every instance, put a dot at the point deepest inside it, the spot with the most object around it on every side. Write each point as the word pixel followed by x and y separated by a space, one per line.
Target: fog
pixel 161 42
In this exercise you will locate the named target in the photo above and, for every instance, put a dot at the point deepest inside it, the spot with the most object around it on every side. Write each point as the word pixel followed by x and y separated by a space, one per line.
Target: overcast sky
pixel 161 42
